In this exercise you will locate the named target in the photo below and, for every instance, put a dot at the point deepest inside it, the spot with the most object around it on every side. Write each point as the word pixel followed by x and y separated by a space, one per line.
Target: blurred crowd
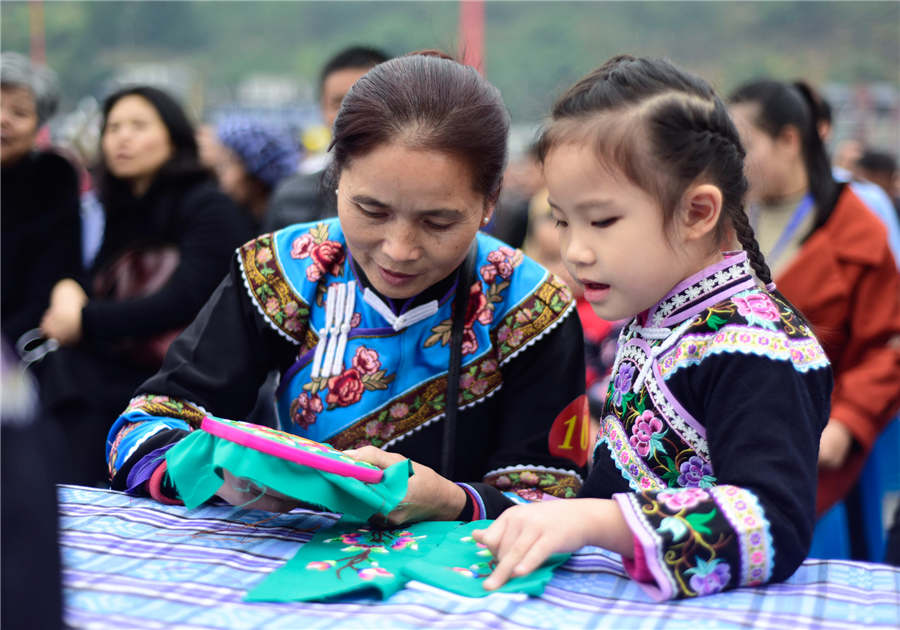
pixel 105 260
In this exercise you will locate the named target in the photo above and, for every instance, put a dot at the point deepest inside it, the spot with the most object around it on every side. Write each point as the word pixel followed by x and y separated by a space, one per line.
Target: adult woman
pixel 831 258
pixel 41 225
pixel 252 159
pixel 419 148
pixel 169 235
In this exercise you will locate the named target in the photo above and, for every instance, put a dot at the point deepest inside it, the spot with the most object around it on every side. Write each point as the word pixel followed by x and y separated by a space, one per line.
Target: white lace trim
pixel 258 306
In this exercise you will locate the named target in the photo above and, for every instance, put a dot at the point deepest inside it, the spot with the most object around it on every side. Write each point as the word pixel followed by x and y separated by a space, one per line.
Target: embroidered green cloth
pixel 350 559
pixel 347 559
pixel 460 564
pixel 194 465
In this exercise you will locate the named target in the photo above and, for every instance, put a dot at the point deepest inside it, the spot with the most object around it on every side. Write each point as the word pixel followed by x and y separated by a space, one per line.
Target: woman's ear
pixel 701 207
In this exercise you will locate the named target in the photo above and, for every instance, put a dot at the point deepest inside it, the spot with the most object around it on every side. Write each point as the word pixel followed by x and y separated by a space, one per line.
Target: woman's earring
pixel 486 220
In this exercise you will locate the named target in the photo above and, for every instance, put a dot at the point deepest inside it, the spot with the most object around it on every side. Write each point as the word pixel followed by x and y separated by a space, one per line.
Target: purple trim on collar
pixel 715 298
pixel 718 293
pixel 690 420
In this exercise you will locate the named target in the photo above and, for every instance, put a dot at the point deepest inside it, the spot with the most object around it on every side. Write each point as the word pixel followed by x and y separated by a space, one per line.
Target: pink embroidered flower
pixel 373 572
pixel 505 270
pixel 272 305
pixel 529 478
pixel 503 333
pixel 263 255
pixel 302 245
pixel 677 500
pixel 489 272
pixel 387 430
pixel 479 387
pixel 404 540
pixel 516 338
pixel 292 324
pixel 646 426
pixel 328 256
pixel 305 408
pixel 291 308
pixel 399 410
pixel 469 341
pixel 371 428
pixel 496 257
pixel 530 494
pixel 524 316
pixel 503 482
pixel 345 389
pixel 466 380
pixel 757 305
pixel 463 572
pixel 320 565
pixel 489 366
pixel 507 251
pixel 366 361
pixel 313 273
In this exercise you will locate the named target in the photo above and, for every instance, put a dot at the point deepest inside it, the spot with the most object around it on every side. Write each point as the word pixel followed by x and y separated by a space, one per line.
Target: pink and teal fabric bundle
pixel 310 472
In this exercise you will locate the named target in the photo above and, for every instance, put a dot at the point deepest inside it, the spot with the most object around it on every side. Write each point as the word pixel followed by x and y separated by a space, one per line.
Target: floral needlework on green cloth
pixel 350 559
pixel 460 564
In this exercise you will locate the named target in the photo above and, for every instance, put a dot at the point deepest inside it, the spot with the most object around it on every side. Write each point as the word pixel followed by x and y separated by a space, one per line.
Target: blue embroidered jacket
pixel 710 433
pixel 357 368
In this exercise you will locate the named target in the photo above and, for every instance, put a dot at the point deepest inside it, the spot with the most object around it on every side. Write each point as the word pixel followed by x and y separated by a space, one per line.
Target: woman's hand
pixel 429 496
pixel 62 321
pixel 526 535
pixel 246 494
pixel 834 445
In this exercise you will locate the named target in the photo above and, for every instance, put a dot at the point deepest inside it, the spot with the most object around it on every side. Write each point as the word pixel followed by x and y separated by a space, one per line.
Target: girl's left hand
pixel 429 497
pixel 526 535
pixel 62 321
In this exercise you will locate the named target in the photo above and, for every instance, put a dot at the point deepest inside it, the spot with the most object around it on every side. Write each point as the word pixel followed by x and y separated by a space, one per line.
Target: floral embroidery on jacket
pixel 278 304
pixel 481 569
pixel 154 405
pixel 327 257
pixel 344 389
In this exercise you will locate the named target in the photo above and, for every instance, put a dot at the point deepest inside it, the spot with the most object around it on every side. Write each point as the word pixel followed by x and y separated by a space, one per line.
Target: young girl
pixel 705 463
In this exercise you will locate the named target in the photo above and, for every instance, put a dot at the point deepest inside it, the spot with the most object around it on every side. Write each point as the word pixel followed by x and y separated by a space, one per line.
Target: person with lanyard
pixel 830 257
pixel 399 330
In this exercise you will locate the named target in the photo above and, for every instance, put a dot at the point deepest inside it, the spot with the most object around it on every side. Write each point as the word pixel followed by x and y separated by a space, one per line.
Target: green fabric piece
pixel 194 465
pixel 460 564
pixel 347 559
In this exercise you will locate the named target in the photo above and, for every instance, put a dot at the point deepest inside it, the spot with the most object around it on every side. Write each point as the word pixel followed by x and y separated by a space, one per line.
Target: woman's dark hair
pixel 426 101
pixel 664 129
pixel 184 164
pixel 780 105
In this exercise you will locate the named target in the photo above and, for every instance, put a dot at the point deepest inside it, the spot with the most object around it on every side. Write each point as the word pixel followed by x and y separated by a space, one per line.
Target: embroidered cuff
pixel 473 510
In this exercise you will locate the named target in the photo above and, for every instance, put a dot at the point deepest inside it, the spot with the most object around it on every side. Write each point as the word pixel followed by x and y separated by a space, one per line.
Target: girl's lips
pixel 595 291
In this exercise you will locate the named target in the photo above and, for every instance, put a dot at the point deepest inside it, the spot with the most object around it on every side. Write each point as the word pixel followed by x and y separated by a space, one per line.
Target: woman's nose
pixel 400 243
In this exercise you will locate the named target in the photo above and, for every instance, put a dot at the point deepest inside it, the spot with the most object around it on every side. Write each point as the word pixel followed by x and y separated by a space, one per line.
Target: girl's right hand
pixel 244 493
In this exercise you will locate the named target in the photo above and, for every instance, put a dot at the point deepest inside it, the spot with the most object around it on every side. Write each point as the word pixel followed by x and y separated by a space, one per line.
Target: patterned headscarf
pixel 267 154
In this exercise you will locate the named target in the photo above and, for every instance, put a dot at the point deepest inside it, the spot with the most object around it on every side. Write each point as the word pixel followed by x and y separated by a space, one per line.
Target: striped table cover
pixel 133 563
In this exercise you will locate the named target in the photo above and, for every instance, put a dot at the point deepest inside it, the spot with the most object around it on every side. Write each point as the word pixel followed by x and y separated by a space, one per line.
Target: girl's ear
pixel 701 207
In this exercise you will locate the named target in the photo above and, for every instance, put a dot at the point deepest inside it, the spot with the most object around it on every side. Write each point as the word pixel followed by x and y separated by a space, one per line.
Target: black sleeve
pixel 59 253
pixel 209 229
pixel 222 358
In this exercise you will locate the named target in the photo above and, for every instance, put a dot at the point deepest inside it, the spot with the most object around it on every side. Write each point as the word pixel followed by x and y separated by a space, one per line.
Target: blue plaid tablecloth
pixel 133 563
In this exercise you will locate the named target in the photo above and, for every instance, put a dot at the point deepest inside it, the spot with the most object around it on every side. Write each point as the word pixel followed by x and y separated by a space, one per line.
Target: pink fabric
pixel 637 567
pixel 153 486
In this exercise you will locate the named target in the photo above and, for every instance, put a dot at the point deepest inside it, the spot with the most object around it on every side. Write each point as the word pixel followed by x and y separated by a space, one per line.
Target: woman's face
pixel 18 122
pixel 232 175
pixel 409 216
pixel 769 162
pixel 135 141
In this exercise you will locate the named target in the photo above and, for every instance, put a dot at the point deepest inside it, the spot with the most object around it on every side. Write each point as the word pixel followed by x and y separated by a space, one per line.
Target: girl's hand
pixel 244 493
pixel 429 497
pixel 62 321
pixel 834 445
pixel 526 535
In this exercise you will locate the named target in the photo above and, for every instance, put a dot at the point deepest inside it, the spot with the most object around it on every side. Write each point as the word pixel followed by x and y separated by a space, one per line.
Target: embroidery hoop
pixel 290 447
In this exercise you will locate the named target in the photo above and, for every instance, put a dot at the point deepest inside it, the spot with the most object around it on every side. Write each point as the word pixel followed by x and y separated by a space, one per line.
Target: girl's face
pixel 135 141
pixel 612 239
pixel 409 216
pixel 18 122
pixel 770 162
